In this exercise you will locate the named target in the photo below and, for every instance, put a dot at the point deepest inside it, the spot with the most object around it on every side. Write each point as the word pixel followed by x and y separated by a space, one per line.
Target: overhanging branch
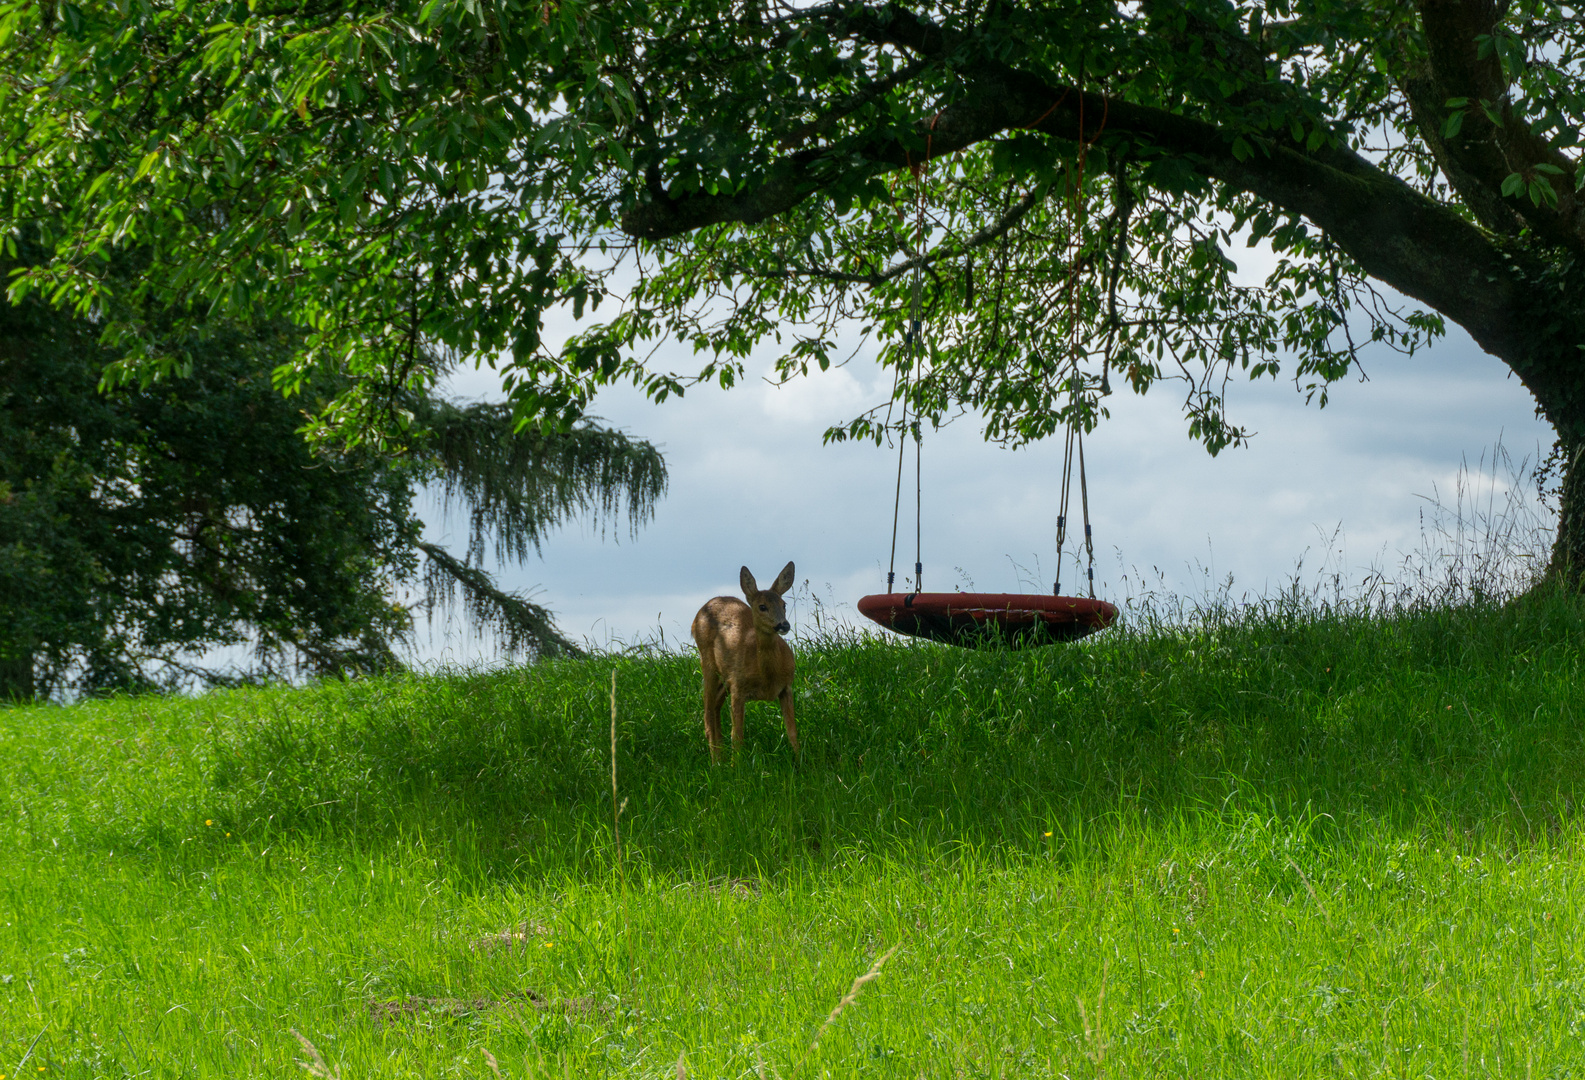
pixel 1397 235
pixel 896 270
pixel 1493 141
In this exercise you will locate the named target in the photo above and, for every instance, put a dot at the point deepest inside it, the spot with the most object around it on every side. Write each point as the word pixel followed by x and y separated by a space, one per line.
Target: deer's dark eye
pixel 762 607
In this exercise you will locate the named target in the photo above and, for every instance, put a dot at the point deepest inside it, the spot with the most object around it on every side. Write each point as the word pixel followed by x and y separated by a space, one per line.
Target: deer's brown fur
pixel 742 653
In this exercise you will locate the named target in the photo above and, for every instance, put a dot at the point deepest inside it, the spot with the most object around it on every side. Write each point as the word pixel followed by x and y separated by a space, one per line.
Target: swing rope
pixel 1073 445
pixel 891 566
pixel 913 355
pixel 919 442
pixel 911 347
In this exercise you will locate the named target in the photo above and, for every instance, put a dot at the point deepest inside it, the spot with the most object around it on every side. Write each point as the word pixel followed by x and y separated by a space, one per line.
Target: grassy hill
pixel 1286 842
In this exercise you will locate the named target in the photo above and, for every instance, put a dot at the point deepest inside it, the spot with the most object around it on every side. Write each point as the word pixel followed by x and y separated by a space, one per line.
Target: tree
pixel 144 527
pixel 1061 180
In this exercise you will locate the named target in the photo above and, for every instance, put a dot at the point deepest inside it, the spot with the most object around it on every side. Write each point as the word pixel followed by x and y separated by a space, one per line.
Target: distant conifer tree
pixel 145 527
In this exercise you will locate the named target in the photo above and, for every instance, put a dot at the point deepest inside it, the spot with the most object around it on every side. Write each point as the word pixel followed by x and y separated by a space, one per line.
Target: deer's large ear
pixel 783 580
pixel 746 580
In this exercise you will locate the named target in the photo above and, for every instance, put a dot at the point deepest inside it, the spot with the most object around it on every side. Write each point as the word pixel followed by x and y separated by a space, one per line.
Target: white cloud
pixel 821 398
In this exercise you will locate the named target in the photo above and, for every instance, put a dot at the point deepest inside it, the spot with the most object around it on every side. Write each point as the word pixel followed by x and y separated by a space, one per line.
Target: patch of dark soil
pixel 510 940
pixel 742 888
pixel 461 1008
pixel 451 1008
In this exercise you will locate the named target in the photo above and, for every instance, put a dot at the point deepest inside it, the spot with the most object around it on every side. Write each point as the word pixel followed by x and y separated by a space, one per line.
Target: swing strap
pixel 1073 450
pixel 913 355
pixel 911 349
pixel 1073 446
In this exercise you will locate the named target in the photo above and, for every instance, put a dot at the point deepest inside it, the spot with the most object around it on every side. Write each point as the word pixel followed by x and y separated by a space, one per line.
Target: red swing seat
pixel 971 619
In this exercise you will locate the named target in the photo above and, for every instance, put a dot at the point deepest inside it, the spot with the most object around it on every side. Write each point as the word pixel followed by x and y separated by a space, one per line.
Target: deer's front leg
pixel 737 720
pixel 785 697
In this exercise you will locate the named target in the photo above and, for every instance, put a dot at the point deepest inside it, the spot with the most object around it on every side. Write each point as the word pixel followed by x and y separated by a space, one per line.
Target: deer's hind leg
pixel 714 695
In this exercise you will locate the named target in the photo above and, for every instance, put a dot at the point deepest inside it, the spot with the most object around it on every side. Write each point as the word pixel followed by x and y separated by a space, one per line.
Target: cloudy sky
pixel 751 483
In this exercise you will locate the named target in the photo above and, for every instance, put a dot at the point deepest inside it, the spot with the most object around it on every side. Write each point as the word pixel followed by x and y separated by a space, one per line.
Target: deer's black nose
pixel 783 626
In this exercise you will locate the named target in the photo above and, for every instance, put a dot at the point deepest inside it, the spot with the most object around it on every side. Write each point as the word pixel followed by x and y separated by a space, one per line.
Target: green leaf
pixel 98 182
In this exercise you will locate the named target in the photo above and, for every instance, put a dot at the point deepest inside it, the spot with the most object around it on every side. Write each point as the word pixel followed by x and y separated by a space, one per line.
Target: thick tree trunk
pixel 1545 354
pixel 1568 550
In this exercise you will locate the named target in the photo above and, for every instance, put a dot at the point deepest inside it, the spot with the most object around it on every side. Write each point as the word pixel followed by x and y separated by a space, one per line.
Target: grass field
pixel 1287 843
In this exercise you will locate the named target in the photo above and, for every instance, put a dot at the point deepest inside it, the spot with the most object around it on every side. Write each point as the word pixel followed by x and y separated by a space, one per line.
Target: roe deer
pixel 741 650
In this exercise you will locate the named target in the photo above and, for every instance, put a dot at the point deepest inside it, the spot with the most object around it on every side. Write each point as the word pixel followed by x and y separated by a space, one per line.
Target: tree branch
pixel 1397 235
pixel 521 623
pixel 896 270
pixel 856 101
pixel 1426 105
pixel 1490 151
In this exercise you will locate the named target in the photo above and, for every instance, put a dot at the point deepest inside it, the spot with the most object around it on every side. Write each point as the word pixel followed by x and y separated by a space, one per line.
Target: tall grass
pixel 1282 839
pixel 1487 538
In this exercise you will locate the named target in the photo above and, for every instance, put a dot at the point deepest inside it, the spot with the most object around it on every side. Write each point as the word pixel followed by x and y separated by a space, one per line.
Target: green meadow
pixel 1291 841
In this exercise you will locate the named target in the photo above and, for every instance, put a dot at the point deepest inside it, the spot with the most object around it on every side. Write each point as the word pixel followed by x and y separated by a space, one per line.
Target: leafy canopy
pixel 1063 182
pixel 145 530
pixel 142 530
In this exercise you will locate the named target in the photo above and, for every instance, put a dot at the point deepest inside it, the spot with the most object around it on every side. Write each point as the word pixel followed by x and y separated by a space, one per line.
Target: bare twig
pixel 31 1045
pixel 316 1065
pixel 847 999
pixel 616 809
pixel 1092 1036
pixel 1325 915
pixel 923 259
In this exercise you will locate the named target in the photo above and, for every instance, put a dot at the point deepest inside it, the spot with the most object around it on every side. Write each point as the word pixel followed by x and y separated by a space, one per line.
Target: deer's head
pixel 770 611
